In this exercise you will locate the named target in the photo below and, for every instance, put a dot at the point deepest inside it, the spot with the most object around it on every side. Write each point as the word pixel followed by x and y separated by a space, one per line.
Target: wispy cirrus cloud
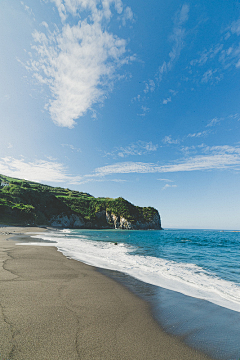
pixel 217 157
pixel 217 120
pixel 199 134
pixel 73 148
pixel 169 186
pixel 235 27
pixel 206 55
pixel 212 158
pixel 218 58
pixel 138 148
pixel 46 171
pixel 208 76
pixel 168 140
pixel 79 63
pixel 177 38
pixel 28 10
pixel 213 122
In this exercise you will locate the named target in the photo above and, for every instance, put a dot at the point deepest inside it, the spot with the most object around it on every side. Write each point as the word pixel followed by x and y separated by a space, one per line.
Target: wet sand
pixel 52 307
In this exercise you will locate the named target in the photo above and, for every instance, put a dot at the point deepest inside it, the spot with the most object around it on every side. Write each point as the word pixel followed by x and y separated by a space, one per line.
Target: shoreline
pixel 59 308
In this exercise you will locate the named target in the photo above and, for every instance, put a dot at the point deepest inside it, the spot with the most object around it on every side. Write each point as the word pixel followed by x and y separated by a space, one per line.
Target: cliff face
pixel 72 221
pixel 105 220
pixel 119 222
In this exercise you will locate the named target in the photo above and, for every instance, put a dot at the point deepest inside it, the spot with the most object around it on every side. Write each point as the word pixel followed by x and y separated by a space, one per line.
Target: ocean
pixel 191 278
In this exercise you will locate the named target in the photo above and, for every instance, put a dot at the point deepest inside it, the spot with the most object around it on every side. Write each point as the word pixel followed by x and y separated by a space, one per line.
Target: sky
pixel 126 98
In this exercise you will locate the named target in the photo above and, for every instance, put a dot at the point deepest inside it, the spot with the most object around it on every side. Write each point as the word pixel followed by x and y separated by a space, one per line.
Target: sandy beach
pixel 53 307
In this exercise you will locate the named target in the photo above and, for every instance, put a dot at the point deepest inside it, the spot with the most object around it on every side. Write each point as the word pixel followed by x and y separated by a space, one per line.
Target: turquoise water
pixel 191 277
pixel 215 251
pixel 198 263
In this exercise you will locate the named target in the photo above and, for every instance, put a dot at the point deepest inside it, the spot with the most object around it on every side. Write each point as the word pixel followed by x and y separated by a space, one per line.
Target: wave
pixel 186 278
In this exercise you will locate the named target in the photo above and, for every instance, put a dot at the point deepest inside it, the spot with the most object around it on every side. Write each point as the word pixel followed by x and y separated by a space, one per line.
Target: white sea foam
pixel 185 278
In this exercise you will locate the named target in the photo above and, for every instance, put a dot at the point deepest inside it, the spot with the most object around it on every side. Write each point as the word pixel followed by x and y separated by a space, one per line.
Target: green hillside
pixel 28 203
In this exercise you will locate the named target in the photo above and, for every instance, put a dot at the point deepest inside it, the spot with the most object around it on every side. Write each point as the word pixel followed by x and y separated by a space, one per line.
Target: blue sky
pixel 126 98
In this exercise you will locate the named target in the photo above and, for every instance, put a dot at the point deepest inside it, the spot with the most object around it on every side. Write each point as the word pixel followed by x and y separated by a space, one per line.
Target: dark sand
pixel 52 307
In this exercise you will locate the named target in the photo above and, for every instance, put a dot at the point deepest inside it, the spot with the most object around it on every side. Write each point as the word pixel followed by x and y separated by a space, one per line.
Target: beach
pixel 53 307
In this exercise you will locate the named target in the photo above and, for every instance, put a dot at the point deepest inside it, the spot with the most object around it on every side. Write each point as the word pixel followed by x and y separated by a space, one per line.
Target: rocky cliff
pixel 105 220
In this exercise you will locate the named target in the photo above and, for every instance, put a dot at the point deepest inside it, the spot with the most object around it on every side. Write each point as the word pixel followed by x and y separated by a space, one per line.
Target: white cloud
pixel 28 10
pixel 178 33
pixel 187 150
pixel 222 56
pixel 149 86
pixel 218 157
pixel 138 148
pixel 79 63
pixel 45 172
pixel 213 122
pixel 208 76
pixel 73 148
pixel 207 55
pixel 234 116
pixel 74 7
pixel 136 98
pixel 169 99
pixel 43 23
pixel 235 27
pixel 168 140
pixel 173 92
pixel 230 56
pixel 145 109
pixel 162 69
pixel 177 38
pixel 39 170
pixel 127 15
pixel 213 158
pixel 169 186
pixel 199 134
pixel 165 101
pixel 125 168
pixel 217 120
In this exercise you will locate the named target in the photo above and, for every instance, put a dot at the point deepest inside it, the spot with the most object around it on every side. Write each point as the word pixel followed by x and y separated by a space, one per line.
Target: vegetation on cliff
pixel 24 202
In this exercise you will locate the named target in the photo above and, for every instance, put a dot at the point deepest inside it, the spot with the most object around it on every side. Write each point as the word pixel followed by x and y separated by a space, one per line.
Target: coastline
pixel 58 308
